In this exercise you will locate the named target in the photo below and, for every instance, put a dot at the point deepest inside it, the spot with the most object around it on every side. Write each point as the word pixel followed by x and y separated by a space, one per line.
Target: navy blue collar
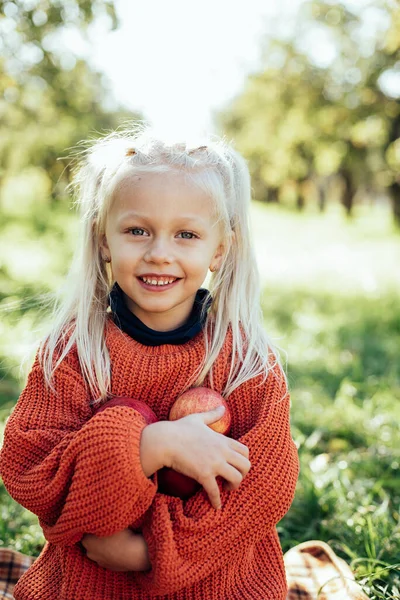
pixel 133 326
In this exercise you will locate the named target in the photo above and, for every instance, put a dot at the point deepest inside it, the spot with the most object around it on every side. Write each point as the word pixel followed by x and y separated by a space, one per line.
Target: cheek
pixel 122 251
pixel 198 261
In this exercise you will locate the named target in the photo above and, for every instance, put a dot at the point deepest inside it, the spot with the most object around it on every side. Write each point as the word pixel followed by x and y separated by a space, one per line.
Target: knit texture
pixel 81 473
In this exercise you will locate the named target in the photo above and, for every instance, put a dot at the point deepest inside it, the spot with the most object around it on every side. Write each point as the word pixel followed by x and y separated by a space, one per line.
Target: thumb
pixel 213 415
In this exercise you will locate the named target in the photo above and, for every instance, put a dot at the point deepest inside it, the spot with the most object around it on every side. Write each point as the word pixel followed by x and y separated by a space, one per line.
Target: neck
pixel 165 321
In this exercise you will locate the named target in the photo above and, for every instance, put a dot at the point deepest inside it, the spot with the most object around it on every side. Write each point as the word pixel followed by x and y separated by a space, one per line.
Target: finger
pixel 232 476
pixel 86 541
pixel 241 463
pixel 86 537
pixel 211 488
pixel 239 447
pixel 212 415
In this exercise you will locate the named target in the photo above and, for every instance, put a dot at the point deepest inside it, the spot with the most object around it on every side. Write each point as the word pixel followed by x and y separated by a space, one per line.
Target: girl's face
pixel 162 238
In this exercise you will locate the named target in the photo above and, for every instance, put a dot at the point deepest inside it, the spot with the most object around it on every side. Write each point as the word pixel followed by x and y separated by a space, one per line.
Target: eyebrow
pixel 179 219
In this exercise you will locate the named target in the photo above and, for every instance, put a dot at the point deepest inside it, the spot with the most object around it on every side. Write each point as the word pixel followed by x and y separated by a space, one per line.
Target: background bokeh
pixel 319 123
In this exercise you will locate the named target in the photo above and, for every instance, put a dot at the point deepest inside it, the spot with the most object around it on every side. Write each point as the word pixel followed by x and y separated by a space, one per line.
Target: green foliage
pixel 303 118
pixel 19 528
pixel 50 98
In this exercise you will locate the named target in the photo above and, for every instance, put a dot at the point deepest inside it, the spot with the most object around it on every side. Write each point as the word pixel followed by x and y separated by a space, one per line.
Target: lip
pixel 158 275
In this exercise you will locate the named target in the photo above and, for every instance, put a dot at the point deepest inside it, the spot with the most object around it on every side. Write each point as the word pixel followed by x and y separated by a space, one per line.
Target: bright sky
pixel 177 61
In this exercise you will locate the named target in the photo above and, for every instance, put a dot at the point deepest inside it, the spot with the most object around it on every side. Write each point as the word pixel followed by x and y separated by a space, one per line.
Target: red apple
pixel 138 405
pixel 202 399
pixel 172 483
pixel 195 400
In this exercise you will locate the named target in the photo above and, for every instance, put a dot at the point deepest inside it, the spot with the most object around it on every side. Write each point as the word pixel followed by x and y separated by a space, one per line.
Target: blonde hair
pixel 216 168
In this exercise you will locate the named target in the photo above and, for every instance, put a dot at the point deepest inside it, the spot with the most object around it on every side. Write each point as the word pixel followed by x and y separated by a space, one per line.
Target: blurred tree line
pixel 323 115
pixel 50 99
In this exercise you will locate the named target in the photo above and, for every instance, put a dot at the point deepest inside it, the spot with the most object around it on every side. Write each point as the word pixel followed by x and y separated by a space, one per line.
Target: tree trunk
pixel 322 194
pixel 301 194
pixel 395 196
pixel 395 187
pixel 300 201
pixel 349 192
pixel 273 195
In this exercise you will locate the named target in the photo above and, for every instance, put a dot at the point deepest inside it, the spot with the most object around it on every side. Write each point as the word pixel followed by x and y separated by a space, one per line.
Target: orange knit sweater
pixel 82 474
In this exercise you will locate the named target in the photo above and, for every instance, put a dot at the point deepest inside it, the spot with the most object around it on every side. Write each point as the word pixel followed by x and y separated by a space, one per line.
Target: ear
pixel 104 249
pixel 220 253
pixel 103 242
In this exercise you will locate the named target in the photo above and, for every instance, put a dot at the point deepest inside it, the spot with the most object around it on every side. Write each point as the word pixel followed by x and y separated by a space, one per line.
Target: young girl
pixel 156 216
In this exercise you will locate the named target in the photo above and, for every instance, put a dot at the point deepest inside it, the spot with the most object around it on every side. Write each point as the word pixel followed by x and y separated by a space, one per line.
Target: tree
pixel 303 119
pixel 52 98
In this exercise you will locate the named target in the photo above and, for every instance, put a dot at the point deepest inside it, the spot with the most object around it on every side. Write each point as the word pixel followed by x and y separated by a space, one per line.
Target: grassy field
pixel 331 301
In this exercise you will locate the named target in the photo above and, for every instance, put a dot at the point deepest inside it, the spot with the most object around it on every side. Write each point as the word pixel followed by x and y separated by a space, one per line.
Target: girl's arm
pixel 76 473
pixel 187 541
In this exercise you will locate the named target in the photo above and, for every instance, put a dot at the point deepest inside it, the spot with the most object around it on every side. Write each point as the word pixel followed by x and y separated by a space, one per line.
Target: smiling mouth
pixel 159 281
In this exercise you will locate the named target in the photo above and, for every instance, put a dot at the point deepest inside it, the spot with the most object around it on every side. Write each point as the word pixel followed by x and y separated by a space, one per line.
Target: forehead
pixel 167 194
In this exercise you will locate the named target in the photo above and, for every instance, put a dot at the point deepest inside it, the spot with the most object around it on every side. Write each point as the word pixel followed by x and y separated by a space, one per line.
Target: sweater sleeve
pixel 187 541
pixel 77 474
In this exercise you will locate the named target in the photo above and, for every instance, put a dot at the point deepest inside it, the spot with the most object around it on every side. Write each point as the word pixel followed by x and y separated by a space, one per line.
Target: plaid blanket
pixel 313 572
pixel 13 564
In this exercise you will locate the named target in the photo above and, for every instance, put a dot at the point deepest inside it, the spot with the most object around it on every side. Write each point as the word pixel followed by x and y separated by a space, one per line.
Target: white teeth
pixel 158 282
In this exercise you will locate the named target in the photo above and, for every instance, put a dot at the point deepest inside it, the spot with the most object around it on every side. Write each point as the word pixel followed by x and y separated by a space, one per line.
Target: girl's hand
pixel 123 551
pixel 198 451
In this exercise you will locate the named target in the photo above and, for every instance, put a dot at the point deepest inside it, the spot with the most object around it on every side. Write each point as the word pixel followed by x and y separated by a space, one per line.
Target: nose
pixel 159 251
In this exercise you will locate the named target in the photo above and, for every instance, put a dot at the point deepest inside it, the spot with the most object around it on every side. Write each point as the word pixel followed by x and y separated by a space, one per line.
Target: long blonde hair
pixel 215 167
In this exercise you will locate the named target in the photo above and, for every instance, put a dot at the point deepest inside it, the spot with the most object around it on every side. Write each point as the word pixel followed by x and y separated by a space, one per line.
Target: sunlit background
pixel 190 59
pixel 309 92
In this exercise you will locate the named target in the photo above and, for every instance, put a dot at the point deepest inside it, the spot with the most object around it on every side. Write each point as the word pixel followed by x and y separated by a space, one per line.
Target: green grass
pixel 331 300
pixel 345 386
